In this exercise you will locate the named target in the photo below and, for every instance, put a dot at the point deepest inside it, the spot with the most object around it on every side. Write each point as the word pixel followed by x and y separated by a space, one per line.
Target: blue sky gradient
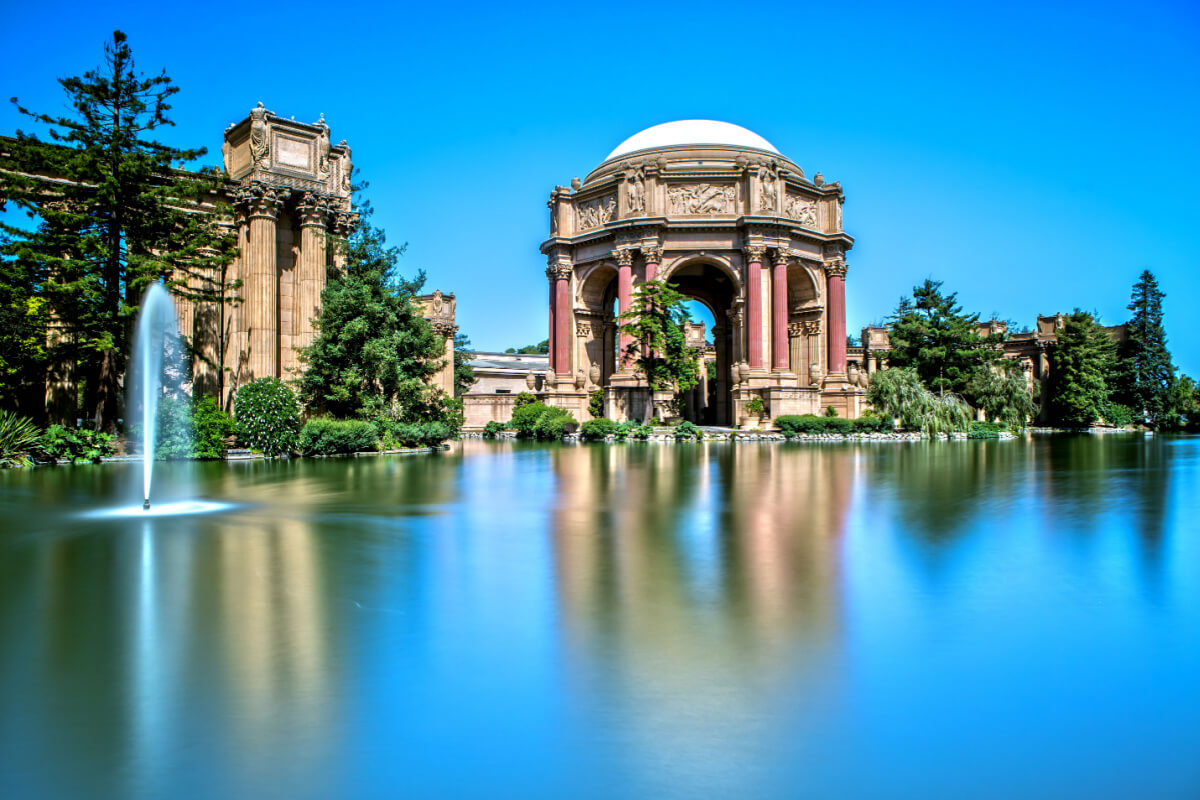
pixel 1035 157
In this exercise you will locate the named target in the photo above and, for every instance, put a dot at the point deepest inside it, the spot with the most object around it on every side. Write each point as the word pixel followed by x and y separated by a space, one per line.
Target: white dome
pixel 692 131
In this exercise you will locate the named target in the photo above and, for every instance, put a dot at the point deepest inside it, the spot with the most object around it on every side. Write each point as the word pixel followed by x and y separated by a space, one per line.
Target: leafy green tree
pixel 541 348
pixel 656 323
pixel 930 334
pixel 1145 375
pixel 464 375
pixel 111 212
pixel 374 353
pixel 22 338
pixel 1080 362
pixel 1004 394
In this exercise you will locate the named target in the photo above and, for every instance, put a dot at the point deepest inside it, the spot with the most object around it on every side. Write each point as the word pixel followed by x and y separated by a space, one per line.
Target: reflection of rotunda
pixel 721 215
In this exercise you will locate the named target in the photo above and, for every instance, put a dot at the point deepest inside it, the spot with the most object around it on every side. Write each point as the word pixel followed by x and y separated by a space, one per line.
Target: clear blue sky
pixel 1034 157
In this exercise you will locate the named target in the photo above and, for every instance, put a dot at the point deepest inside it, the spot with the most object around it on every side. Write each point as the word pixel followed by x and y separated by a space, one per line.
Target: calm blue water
pixel 969 619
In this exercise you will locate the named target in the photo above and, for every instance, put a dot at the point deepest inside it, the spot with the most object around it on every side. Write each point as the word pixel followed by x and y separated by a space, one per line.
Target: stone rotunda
pixel 727 220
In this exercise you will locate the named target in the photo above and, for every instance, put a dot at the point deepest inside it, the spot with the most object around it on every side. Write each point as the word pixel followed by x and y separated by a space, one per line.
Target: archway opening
pixel 710 292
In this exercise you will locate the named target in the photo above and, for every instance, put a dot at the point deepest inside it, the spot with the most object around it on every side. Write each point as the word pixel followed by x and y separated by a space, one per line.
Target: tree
pixel 1004 394
pixel 931 335
pixel 22 338
pixel 1080 362
pixel 541 348
pixel 373 353
pixel 656 322
pixel 113 212
pixel 464 375
pixel 898 393
pixel 1145 375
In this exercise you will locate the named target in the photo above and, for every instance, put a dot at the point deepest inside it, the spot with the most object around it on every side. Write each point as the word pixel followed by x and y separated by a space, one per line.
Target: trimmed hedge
pixel 324 436
pixel 796 424
pixel 985 430
pixel 598 428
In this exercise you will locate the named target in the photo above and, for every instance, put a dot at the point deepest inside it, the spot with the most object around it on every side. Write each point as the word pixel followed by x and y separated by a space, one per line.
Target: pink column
pixel 754 306
pixel 553 302
pixel 624 300
pixel 779 312
pixel 836 273
pixel 652 254
pixel 562 316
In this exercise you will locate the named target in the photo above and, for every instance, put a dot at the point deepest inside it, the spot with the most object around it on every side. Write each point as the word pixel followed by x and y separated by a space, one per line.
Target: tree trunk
pixel 108 388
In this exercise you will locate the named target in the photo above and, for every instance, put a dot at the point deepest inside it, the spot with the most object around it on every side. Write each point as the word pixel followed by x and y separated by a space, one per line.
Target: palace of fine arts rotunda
pixel 727 220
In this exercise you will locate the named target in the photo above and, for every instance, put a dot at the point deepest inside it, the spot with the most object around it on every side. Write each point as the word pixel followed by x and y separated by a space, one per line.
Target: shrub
pixel 625 428
pixel 325 436
pixel 523 399
pixel 642 432
pixel 268 416
pixel 493 429
pixel 75 445
pixel 839 425
pixel 1116 414
pixel 755 405
pixel 830 411
pixel 212 427
pixel 552 424
pixel 596 403
pixel 18 438
pixel 870 423
pixel 687 430
pixel 796 424
pixel 595 429
pixel 174 433
pixel 415 434
pixel 985 430
pixel 525 417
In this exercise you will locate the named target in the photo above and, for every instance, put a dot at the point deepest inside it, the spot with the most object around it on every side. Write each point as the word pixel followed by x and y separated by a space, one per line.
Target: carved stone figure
pixel 637 191
pixel 701 198
pixel 259 149
pixel 802 210
pixel 768 201
pixel 814 373
pixel 595 213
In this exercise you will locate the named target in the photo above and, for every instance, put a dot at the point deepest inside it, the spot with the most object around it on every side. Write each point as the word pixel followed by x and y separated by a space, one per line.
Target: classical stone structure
pixel 723 217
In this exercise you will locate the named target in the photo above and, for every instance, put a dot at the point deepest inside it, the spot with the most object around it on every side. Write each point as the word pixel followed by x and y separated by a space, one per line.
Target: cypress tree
pixel 1145 376
pixel 113 211
pixel 1080 362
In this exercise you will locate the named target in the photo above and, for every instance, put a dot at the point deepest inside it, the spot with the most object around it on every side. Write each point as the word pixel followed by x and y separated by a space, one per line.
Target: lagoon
pixel 947 619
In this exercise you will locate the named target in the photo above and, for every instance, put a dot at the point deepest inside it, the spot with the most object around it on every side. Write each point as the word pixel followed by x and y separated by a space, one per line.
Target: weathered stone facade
pixel 727 220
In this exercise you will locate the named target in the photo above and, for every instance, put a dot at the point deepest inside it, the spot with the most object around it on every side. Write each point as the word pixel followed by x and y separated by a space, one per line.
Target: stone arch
pixel 596 294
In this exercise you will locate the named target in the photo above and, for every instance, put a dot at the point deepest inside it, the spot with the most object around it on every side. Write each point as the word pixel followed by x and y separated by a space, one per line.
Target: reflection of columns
pixel 261 309
pixel 837 317
pixel 779 333
pixel 653 256
pixel 624 299
pixel 754 339
pixel 310 272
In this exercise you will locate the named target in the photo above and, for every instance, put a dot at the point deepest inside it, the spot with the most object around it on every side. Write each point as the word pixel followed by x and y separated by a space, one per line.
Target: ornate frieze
pixel 595 213
pixel 701 199
pixel 801 209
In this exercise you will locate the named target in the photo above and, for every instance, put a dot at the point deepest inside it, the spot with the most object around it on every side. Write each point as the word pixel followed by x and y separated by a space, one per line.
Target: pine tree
pixel 1080 362
pixel 1145 376
pixel 464 375
pixel 113 212
pixel 931 335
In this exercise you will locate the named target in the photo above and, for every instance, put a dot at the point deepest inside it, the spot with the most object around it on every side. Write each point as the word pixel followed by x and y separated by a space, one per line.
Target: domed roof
pixel 692 131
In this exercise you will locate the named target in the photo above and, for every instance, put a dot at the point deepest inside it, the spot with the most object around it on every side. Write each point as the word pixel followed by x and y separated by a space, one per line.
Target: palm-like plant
pixel 18 435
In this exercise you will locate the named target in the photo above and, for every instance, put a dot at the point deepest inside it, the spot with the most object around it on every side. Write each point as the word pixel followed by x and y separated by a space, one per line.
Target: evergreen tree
pixel 374 353
pixel 464 375
pixel 931 335
pixel 1145 375
pixel 1080 362
pixel 113 212
pixel 656 323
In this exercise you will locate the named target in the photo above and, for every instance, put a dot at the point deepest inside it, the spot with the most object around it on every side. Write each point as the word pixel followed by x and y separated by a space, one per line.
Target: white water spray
pixel 155 345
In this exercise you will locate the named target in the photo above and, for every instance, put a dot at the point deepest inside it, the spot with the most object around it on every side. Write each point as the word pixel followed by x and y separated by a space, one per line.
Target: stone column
pixel 624 300
pixel 261 292
pixel 553 301
pixel 779 313
pixel 797 352
pixel 812 331
pixel 754 339
pixel 313 211
pixel 653 256
pixel 836 309
pixel 562 319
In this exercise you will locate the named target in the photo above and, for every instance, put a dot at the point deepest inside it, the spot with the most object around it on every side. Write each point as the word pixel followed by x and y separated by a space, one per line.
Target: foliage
pixel 626 428
pixel 268 416
pixel 538 421
pixel 655 323
pixel 687 430
pixel 175 430
pixel 596 403
pixel 76 445
pixel 373 353
pixel 18 438
pixel 493 429
pixel 830 411
pixel 22 334
pixel 796 424
pixel 985 430
pixel 755 405
pixel 1004 394
pixel 464 375
pixel 1115 414
pixel 870 423
pixel 641 431
pixel 119 217
pixel 212 427
pixel 326 436
pixel 595 429
pixel 397 435
pixel 541 348
pixel 1079 363
pixel 1145 375
pixel 898 394
pixel 523 399
pixel 931 335
pixel 1185 404
pixel 946 413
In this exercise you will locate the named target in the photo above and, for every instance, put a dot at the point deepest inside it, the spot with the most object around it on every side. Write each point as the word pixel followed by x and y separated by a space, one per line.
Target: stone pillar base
pixel 624 402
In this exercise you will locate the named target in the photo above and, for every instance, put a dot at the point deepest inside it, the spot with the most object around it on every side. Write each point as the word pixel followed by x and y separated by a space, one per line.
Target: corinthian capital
pixel 558 272
pixel 260 200
pixel 755 252
pixel 836 269
pixel 623 257
pixel 313 210
pixel 652 254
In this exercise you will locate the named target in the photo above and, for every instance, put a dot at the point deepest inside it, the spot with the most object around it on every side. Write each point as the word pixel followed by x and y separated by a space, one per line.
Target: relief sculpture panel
pixel 595 213
pixel 701 198
pixel 802 209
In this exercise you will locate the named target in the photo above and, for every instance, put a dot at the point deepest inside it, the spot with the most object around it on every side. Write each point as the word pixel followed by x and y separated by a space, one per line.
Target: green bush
pixel 687 430
pixel 538 421
pixel 415 434
pixel 523 399
pixel 76 445
pixel 268 416
pixel 1116 414
pixel 493 429
pixel 985 430
pixel 796 424
pixel 755 405
pixel 839 425
pixel 595 429
pixel 624 429
pixel 870 423
pixel 173 436
pixel 642 431
pixel 325 436
pixel 19 437
pixel 830 411
pixel 212 427
pixel 553 424
pixel 596 403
